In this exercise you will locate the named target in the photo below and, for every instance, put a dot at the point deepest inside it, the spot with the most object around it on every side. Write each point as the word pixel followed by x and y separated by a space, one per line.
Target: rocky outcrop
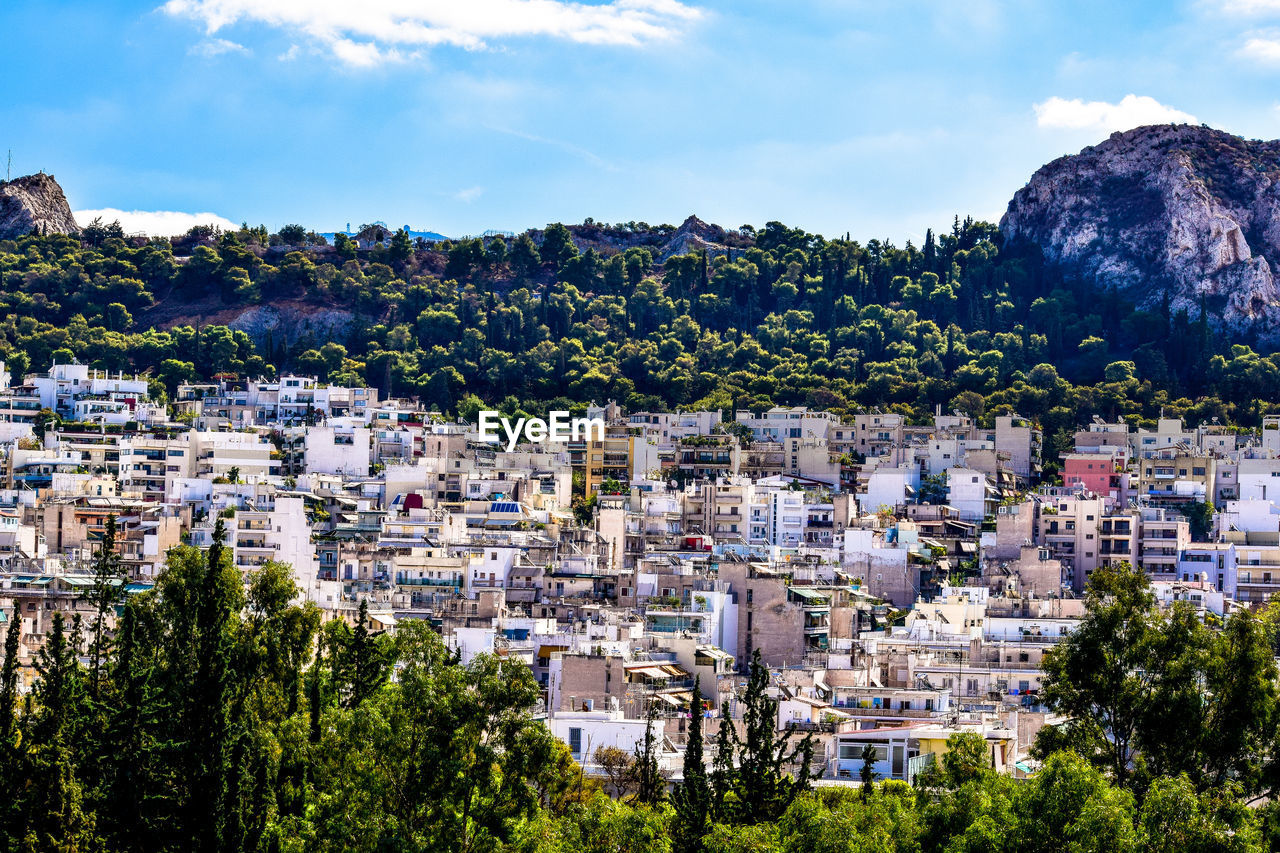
pixel 285 323
pixel 693 235
pixel 1169 211
pixel 34 203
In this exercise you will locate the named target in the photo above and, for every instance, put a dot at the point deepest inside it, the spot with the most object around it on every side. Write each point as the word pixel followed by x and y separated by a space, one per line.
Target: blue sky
pixel 876 118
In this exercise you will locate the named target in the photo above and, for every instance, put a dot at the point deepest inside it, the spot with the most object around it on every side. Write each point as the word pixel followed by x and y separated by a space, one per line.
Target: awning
pixel 714 652
pixel 810 594
pixel 649 671
pixel 385 618
pixel 547 651
pixel 968 547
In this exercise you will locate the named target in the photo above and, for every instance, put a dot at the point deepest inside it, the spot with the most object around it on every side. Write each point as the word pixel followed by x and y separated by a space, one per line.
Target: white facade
pixel 587 731
pixel 890 487
pixel 340 448
pixel 969 493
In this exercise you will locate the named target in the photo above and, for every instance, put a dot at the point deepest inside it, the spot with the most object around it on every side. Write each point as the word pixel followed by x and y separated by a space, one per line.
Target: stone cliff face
pixel 34 203
pixel 1190 212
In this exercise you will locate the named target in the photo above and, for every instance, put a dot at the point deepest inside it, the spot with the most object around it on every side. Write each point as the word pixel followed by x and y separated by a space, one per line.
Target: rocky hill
pixel 1187 213
pixel 694 235
pixel 34 203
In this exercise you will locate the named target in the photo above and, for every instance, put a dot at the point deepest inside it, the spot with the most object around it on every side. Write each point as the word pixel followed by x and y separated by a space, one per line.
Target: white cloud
pixel 216 47
pixel 374 31
pixel 1132 111
pixel 1249 8
pixel 290 54
pixel 1261 48
pixel 469 194
pixel 154 223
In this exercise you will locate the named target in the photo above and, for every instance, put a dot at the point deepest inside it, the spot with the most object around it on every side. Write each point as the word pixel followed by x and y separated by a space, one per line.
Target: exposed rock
pixel 1188 211
pixel 285 324
pixel 34 203
pixel 693 235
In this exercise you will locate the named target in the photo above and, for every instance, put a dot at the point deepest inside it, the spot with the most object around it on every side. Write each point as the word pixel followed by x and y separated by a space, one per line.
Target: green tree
pixel 56 818
pixel 525 257
pixel 368 664
pixel 692 798
pixel 758 786
pixel 651 784
pixel 108 589
pixel 135 805
pixel 557 245
pixel 1100 674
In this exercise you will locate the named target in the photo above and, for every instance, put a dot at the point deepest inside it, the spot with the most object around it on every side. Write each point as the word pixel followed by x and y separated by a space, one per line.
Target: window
pixel 853 752
pixel 575 741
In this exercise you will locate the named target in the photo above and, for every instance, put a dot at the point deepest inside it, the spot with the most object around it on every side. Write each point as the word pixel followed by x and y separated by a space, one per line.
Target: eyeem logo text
pixel 558 427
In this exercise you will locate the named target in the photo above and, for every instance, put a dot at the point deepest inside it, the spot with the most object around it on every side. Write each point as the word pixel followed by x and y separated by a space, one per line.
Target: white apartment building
pixel 890 487
pixel 64 384
pixel 340 446
pixel 970 494
pixel 779 423
pixel 1259 479
pixel 217 453
pixel 282 534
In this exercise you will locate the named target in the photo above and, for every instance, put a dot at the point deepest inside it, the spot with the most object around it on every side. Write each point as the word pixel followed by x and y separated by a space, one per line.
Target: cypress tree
pixel 692 797
pixel 314 707
pixel 650 784
pixel 867 773
pixel 760 785
pixel 108 584
pixel 54 808
pixel 207 704
pixel 368 667
pixel 9 680
pixel 136 789
pixel 10 770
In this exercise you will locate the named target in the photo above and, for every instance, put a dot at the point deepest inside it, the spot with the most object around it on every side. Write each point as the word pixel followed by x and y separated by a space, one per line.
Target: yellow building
pixel 598 461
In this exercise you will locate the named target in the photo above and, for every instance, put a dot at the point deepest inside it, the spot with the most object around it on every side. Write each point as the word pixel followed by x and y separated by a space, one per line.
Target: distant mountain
pixel 34 203
pixel 1186 214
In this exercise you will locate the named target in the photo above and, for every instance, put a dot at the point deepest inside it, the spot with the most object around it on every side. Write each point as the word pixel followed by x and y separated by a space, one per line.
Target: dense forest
pixel 220 717
pixel 586 312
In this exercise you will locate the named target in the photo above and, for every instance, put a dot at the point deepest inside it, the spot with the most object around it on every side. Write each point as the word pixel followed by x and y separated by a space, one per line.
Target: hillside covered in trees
pixel 744 319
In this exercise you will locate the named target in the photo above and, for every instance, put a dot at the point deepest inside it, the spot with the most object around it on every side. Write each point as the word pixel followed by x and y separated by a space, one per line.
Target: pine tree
pixel 692 798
